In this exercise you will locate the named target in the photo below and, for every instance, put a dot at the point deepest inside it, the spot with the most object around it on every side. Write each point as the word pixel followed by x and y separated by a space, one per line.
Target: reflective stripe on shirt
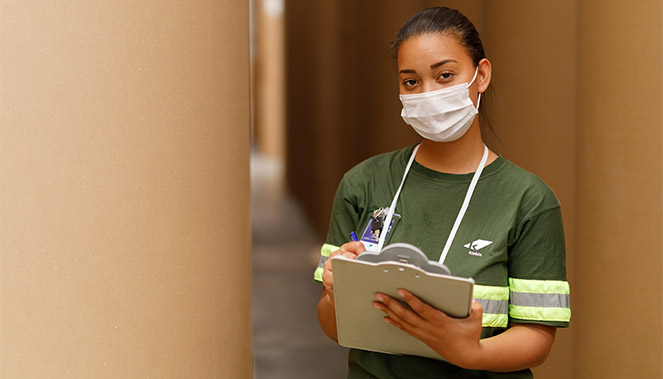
pixel 317 275
pixel 495 303
pixel 539 300
pixel 324 255
pixel 328 249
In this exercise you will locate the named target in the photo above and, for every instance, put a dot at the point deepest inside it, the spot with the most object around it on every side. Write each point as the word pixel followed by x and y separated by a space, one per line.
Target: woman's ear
pixel 484 75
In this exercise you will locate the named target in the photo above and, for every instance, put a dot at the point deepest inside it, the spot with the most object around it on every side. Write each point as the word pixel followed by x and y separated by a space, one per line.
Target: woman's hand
pixel 326 307
pixel 349 250
pixel 456 339
pixel 521 346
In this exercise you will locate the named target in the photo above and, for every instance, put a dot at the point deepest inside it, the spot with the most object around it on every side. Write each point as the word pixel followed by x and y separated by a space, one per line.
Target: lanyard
pixel 461 213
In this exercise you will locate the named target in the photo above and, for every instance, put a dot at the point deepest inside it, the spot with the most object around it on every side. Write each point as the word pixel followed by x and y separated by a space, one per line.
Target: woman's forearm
pixel 519 347
pixel 327 315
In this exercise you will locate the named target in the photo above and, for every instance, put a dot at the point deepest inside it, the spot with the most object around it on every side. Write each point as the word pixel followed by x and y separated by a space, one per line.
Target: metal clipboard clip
pixel 404 253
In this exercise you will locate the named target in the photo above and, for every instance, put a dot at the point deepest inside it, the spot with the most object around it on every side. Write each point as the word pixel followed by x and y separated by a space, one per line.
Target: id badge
pixel 371 234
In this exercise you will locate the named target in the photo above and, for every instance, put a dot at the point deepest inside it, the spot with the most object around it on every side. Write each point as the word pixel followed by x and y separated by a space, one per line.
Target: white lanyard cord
pixel 466 203
pixel 461 214
pixel 392 208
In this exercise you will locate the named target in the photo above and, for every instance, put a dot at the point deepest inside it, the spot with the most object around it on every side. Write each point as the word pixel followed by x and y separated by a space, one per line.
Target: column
pixel 124 187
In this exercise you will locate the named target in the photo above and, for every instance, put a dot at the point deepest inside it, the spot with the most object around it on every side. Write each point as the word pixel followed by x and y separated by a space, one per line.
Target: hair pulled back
pixel 442 20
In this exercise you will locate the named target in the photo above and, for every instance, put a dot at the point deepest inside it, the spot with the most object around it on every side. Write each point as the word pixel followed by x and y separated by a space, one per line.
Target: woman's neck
pixel 457 157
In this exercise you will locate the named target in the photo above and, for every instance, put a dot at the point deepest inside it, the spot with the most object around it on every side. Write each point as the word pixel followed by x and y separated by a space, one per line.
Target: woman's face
pixel 433 61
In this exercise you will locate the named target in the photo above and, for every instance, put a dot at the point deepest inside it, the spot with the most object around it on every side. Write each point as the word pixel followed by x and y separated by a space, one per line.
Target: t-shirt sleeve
pixel 344 218
pixel 538 289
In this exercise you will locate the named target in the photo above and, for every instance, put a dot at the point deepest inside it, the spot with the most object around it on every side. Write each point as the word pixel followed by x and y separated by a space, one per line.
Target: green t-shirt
pixel 511 242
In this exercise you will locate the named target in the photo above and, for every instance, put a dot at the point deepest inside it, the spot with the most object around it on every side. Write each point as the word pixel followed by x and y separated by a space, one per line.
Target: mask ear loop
pixel 472 81
pixel 474 77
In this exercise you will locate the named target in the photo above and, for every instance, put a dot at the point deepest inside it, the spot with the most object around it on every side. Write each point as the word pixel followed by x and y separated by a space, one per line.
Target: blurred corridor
pixel 287 341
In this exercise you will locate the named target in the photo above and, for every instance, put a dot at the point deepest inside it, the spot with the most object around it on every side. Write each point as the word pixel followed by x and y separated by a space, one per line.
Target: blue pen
pixel 353 236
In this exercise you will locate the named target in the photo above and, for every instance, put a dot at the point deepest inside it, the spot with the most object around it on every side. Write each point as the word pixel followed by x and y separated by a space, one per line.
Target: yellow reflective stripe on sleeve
pixel 491 292
pixel 540 300
pixel 317 275
pixel 489 320
pixel 494 300
pixel 539 286
pixel 324 252
pixel 540 313
pixel 328 249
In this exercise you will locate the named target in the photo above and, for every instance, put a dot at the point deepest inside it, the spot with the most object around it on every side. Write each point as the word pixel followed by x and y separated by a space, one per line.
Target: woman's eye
pixel 409 82
pixel 445 75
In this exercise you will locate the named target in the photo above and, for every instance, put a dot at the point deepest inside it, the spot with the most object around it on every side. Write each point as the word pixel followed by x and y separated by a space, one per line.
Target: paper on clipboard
pixel 398 265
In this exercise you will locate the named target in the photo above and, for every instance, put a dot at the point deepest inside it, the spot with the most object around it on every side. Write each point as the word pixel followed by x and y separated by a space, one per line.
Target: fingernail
pixel 401 293
pixel 379 297
pixel 377 306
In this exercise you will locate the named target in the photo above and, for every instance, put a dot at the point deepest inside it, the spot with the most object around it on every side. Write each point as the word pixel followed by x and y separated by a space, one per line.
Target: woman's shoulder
pixel 381 164
pixel 521 174
pixel 532 189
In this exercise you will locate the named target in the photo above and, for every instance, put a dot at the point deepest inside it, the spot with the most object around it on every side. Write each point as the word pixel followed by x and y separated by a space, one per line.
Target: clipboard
pixel 399 265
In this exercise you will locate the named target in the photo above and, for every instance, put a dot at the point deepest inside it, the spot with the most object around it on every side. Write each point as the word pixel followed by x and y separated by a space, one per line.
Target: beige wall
pixel 269 78
pixel 618 292
pixel 124 231
pixel 578 99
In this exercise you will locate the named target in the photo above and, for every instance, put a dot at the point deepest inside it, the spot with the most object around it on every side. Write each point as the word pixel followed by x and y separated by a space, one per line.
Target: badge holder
pixel 369 238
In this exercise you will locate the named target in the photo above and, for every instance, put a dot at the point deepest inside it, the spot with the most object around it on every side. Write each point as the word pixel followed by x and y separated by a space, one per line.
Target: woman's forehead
pixel 430 48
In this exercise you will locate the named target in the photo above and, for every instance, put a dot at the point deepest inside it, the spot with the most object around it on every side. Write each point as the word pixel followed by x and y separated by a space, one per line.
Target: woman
pixel 464 206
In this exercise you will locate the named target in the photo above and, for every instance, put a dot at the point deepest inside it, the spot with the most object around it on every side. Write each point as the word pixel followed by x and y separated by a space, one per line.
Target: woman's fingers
pixel 477 312
pixel 399 316
pixel 417 312
pixel 398 311
pixel 327 277
pixel 349 250
pixel 424 310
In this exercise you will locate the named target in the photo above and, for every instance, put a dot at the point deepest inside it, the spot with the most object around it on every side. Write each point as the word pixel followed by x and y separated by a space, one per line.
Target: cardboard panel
pixel 618 295
pixel 124 230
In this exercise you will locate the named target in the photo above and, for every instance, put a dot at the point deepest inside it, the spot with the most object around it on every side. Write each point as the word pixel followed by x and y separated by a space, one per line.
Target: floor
pixel 287 340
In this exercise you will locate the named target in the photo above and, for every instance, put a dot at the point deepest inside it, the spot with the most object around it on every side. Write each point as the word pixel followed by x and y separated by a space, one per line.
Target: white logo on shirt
pixel 476 246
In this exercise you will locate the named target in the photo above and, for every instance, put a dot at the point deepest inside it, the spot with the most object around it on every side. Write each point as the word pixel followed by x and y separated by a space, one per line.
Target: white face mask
pixel 443 115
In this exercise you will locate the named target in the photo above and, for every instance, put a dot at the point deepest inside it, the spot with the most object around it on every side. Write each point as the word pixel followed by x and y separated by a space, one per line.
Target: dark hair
pixel 442 20
pixel 449 21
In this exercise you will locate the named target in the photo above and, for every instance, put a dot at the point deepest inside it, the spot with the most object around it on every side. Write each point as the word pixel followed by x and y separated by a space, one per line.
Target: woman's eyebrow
pixel 440 63
pixel 408 71
pixel 433 66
